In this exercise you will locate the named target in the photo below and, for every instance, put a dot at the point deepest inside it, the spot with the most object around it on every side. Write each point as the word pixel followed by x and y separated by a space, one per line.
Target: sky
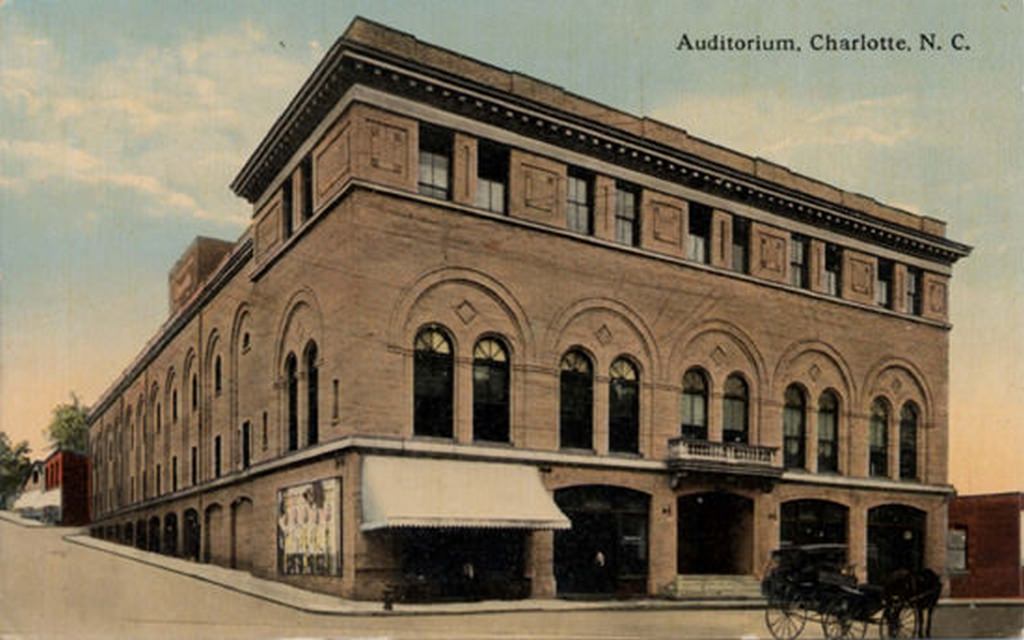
pixel 122 124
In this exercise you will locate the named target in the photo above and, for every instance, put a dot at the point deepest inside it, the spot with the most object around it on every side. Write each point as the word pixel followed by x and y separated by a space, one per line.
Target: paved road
pixel 52 589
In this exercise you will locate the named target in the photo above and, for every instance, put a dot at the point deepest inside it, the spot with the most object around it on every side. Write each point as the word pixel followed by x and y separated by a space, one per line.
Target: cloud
pixel 169 125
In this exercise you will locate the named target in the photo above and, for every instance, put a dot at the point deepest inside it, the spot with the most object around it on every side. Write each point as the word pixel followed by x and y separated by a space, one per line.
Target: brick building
pixel 986 546
pixel 488 338
pixel 57 490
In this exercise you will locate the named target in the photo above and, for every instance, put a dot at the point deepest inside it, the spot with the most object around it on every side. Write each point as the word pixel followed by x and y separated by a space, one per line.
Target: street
pixel 50 588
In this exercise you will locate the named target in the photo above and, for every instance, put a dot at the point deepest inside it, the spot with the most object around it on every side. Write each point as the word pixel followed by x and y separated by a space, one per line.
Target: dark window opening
pixel 246 446
pixel 879 438
pixel 433 371
pixel 286 207
pixel 580 205
pixel 217 380
pixel 799 271
pixel 624 407
pixel 490 391
pixel 174 406
pixel 735 410
pixel 828 433
pixel 435 162
pixel 741 245
pixel 158 418
pixel 883 284
pixel 698 240
pixel 914 291
pixel 627 214
pixel 266 439
pixel 194 471
pixel 833 270
pixel 492 177
pixel 576 409
pixel 291 375
pixel 216 457
pixel 174 473
pixel 159 474
pixel 794 428
pixel 908 441
pixel 813 522
pixel 695 405
pixel 195 392
pixel 312 395
pixel 306 172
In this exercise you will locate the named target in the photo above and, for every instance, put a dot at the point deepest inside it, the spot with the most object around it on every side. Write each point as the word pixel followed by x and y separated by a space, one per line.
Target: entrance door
pixel 715 534
pixel 605 552
pixel 895 540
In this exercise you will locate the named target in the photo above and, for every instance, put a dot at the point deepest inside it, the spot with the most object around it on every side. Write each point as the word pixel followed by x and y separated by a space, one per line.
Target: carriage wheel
pixel 785 617
pixel 838 622
pixel 898 621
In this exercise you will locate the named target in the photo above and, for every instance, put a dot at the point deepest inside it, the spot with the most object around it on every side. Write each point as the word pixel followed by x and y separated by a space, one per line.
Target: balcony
pixel 730 458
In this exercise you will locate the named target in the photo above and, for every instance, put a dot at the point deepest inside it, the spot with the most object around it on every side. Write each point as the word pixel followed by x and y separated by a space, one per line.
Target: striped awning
pixel 427 492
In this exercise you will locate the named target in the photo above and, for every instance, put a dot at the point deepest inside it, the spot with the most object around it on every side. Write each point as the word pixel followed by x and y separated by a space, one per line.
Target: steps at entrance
pixel 688 587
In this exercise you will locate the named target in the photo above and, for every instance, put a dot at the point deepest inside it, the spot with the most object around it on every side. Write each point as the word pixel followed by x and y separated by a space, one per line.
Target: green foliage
pixel 15 465
pixel 68 430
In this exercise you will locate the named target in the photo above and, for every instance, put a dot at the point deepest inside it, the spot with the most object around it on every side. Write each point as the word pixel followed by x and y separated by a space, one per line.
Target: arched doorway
pixel 129 534
pixel 241 536
pixel 715 534
pixel 154 534
pixel 605 552
pixel 140 534
pixel 896 537
pixel 813 522
pixel 193 532
pixel 171 534
pixel 213 543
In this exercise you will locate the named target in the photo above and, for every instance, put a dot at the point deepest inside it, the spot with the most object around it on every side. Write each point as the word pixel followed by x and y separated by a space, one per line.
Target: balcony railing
pixel 723 456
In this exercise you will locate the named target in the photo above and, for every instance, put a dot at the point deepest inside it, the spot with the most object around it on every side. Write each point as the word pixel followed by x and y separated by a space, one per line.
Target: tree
pixel 68 429
pixel 14 467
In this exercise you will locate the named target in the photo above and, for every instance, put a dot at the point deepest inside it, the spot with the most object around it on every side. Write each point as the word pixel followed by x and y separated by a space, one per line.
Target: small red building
pixel 986 547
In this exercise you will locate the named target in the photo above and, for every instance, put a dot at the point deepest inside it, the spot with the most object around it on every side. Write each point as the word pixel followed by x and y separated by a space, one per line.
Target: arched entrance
pixel 154 534
pixel 171 534
pixel 213 549
pixel 193 532
pixel 140 534
pixel 813 522
pixel 715 534
pixel 605 552
pixel 241 536
pixel 896 537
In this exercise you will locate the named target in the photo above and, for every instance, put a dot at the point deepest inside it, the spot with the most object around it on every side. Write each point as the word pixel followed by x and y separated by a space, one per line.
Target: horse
pixel 921 590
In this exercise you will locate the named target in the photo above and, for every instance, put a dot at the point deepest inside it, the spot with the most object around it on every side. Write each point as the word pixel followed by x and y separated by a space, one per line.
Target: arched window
pixel 291 378
pixel 908 441
pixel 432 382
pixel 735 408
pixel 217 381
pixel 878 461
pixel 576 391
pixel 623 407
pixel 695 405
pixel 158 418
pixel 828 433
pixel 174 406
pixel 195 392
pixel 794 428
pixel 312 395
pixel 490 391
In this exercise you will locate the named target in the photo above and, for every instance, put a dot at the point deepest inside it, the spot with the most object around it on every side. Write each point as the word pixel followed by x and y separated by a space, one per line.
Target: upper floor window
pixel 491 177
pixel 217 381
pixel 158 418
pixel 174 406
pixel 828 433
pixel 735 408
pixel 580 205
pixel 914 291
pixel 286 207
pixel 291 382
pixel 799 270
pixel 624 407
pixel 740 245
pixel 833 270
pixel 195 392
pixel 695 405
pixel 957 549
pixel 432 383
pixel 246 447
pixel 312 394
pixel 883 284
pixel 794 428
pixel 908 441
pixel 306 175
pixel 435 162
pixel 698 243
pixel 216 457
pixel 576 401
pixel 878 460
pixel 490 391
pixel 627 214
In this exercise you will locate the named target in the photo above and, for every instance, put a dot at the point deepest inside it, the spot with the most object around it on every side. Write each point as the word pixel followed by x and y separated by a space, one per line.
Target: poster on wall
pixel 308 529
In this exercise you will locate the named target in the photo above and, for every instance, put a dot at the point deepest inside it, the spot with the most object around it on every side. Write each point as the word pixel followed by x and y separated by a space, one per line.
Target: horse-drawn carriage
pixel 812 583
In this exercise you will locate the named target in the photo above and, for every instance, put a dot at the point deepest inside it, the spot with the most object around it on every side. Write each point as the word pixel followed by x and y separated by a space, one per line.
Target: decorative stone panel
pixel 936 296
pixel 721 239
pixel 663 223
pixel 537 189
pixel 464 169
pixel 770 252
pixel 859 276
pixel 268 228
pixel 332 162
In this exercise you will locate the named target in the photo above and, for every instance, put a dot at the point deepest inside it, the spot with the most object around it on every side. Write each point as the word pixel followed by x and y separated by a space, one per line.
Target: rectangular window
pixel 286 207
pixel 435 162
pixel 174 473
pixel 195 467
pixel 245 446
pixel 306 172
pixel 158 474
pixel 914 291
pixel 265 440
pixel 698 240
pixel 799 273
pixel 833 270
pixel 491 177
pixel 627 215
pixel 957 550
pixel 580 205
pixel 883 284
pixel 740 245
pixel 216 457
